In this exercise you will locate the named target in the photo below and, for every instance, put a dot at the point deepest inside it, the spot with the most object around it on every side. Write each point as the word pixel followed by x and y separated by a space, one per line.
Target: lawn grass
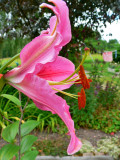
pixel 13 64
pixel 92 57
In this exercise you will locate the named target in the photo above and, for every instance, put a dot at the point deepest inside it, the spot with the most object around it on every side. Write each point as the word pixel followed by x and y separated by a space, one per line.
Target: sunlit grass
pixel 92 57
pixel 107 76
pixel 13 64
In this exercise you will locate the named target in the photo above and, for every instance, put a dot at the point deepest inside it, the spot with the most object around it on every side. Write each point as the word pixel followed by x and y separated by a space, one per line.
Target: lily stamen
pixel 65 93
pixel 59 83
pixel 81 99
pixel 83 79
pixel 71 81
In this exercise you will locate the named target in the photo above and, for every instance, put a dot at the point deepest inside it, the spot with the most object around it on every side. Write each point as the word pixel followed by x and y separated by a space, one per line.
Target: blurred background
pixel 23 20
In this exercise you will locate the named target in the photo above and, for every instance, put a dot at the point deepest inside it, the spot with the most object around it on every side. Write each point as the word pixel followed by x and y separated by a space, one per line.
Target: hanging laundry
pixel 107 56
pixel 116 54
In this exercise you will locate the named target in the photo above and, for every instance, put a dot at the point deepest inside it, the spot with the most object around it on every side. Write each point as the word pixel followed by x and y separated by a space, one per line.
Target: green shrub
pixel 116 59
pixel 14 46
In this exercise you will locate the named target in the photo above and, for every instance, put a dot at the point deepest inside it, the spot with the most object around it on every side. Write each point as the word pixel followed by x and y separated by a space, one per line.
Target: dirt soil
pixel 86 134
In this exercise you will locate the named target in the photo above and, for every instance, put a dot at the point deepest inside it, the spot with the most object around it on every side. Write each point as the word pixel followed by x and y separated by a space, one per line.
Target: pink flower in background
pixel 107 56
pixel 41 65
pixel 112 133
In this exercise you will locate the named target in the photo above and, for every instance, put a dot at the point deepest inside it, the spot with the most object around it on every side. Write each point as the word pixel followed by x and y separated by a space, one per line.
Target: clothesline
pixel 111 51
pixel 91 57
pixel 108 55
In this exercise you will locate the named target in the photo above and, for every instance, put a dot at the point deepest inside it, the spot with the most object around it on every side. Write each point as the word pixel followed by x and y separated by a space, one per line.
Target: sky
pixel 114 29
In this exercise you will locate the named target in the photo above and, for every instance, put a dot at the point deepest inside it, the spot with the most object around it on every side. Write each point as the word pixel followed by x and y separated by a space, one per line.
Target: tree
pixel 113 44
pixel 23 17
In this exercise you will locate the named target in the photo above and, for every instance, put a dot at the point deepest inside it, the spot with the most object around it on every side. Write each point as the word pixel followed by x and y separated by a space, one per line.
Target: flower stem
pixel 5 118
pixel 9 62
pixel 19 134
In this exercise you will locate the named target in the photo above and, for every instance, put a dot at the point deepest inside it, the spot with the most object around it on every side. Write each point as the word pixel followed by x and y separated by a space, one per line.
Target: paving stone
pixel 88 154
pixel 75 158
pixel 99 154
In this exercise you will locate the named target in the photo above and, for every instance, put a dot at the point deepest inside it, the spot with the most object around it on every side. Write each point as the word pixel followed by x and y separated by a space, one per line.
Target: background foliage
pixel 24 18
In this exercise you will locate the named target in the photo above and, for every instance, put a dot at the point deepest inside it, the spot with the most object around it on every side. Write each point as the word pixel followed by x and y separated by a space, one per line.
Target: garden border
pixel 74 158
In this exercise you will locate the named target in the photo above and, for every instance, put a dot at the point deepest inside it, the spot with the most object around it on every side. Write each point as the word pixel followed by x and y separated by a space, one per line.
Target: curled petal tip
pixel 77 147
pixel 42 5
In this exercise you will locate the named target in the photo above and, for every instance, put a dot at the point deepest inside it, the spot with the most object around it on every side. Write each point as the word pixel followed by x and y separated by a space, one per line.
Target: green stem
pixel 19 133
pixel 21 118
pixel 9 62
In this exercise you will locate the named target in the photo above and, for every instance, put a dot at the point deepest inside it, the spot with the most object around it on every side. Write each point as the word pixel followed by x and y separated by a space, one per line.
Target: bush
pixel 102 103
pixel 82 117
pixel 116 59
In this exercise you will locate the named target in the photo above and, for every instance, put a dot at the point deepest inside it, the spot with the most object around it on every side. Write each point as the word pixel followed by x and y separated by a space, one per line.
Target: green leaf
pixel 9 133
pixel 27 142
pixel 28 126
pixel 30 155
pixel 12 98
pixel 8 151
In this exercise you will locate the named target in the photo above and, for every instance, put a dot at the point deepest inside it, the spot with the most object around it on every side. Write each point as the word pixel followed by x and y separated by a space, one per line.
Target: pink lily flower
pixel 41 71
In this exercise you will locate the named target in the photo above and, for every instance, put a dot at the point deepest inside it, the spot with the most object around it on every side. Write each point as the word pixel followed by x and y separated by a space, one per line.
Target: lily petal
pixel 52 24
pixel 42 47
pixel 40 50
pixel 57 71
pixel 46 47
pixel 41 93
pixel 62 13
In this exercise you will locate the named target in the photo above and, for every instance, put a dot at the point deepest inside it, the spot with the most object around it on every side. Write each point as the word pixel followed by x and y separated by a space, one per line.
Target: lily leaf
pixel 27 143
pixel 8 151
pixel 28 126
pixel 9 133
pixel 12 98
pixel 30 155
